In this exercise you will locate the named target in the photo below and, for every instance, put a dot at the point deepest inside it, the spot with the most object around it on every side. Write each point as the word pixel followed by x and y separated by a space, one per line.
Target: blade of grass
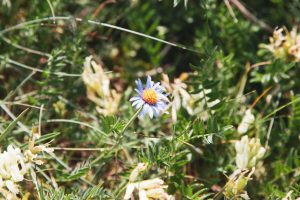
pixel 11 93
pixel 52 10
pixel 43 138
pixel 35 181
pixel 280 108
pixel 78 149
pixel 22 126
pixel 40 119
pixel 19 104
pixel 77 122
pixel 12 125
pixel 39 170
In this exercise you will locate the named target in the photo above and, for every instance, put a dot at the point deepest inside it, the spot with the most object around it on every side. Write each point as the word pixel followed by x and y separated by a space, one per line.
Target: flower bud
pixel 249 152
pixel 247 120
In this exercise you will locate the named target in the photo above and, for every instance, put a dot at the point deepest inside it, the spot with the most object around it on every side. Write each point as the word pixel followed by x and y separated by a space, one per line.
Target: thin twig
pixel 101 7
pixel 77 149
pixel 36 21
pixel 250 16
pixel 36 69
pixel 259 97
pixel 230 10
pixel 5 39
pixel 77 122
pixel 260 64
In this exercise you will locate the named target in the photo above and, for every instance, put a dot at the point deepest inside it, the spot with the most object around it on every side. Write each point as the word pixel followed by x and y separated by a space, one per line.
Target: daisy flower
pixel 151 98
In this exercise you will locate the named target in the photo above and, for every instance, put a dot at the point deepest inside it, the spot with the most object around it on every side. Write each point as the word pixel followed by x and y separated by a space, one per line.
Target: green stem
pixel 131 120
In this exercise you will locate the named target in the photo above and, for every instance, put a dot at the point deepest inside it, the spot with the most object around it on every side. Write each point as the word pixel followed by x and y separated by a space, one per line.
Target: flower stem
pixel 131 120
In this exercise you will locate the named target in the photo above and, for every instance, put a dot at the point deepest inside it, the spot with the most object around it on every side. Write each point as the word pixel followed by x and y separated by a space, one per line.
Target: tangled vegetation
pixel 149 99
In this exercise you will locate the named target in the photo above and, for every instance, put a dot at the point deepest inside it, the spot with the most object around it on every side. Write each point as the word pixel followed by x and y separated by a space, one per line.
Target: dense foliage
pixel 223 123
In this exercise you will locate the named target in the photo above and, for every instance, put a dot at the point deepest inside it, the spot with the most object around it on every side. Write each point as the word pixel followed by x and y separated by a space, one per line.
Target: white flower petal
pixel 148 82
pixel 140 104
pixel 135 98
pixel 129 191
pixel 15 173
pixel 11 186
pixel 150 111
pixel 261 152
pixel 143 195
pixel 150 184
pixel 213 103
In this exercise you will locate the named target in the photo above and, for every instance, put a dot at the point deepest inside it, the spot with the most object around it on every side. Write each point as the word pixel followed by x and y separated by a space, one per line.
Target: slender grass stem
pixel 78 149
pixel 19 104
pixel 131 120
pixel 280 108
pixel 12 116
pixel 77 122
pixel 11 93
pixel 40 119
pixel 24 24
pixel 33 51
pixel 52 10
pixel 36 182
pixel 10 61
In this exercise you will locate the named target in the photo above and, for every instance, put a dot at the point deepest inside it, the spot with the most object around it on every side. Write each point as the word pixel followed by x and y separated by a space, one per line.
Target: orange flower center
pixel 150 96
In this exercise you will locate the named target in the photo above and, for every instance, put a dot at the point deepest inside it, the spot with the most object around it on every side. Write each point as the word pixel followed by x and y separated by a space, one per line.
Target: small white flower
pixel 180 96
pixel 213 103
pixel 261 152
pixel 12 187
pixel 162 30
pixel 285 44
pixel 143 195
pixel 247 120
pixel 148 189
pixel 12 164
pixel 249 152
pixel 6 3
pixel 151 183
pixel 242 160
pixel 31 154
pixel 140 167
pixel 98 88
pixel 129 191
pixel 1 182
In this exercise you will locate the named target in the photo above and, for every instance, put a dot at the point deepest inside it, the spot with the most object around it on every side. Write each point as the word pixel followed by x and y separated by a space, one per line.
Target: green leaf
pixel 43 138
pixel 78 172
